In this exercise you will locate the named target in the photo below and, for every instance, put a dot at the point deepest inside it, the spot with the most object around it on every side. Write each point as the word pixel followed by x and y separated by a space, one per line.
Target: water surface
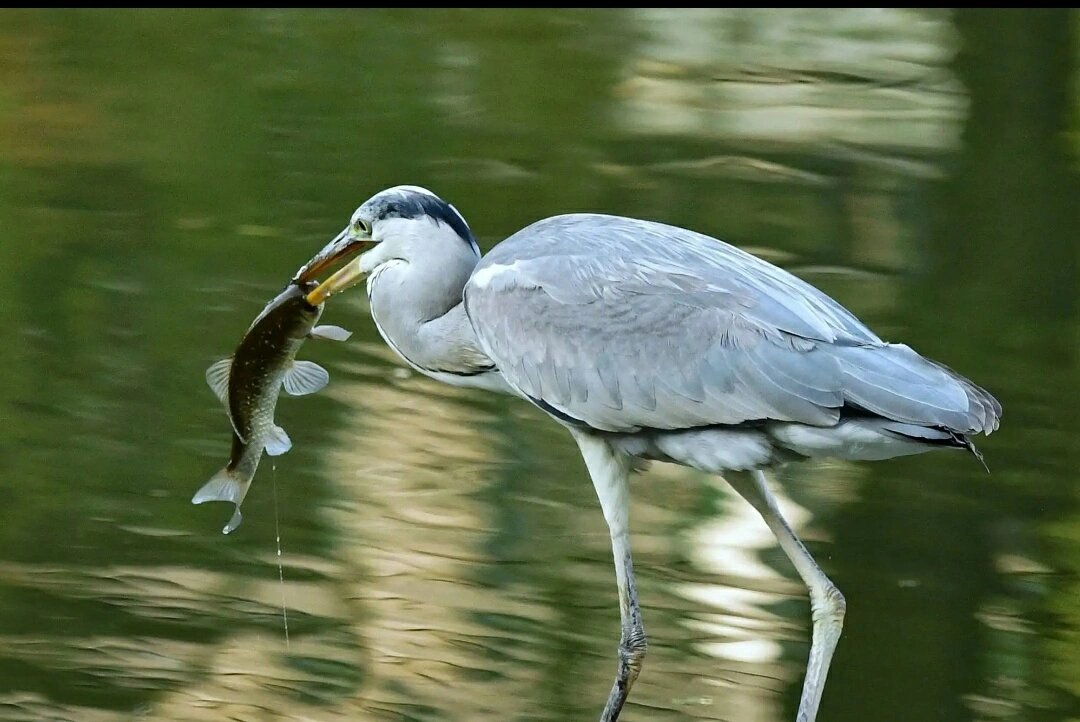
pixel 161 175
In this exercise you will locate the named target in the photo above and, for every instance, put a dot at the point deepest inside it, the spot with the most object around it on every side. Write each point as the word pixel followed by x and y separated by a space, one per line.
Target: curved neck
pixel 418 310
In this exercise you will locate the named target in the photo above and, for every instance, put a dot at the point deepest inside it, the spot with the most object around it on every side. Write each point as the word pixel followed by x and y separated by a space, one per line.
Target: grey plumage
pixel 625 325
pixel 649 341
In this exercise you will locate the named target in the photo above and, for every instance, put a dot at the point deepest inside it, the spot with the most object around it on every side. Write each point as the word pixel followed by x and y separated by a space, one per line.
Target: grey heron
pixel 649 341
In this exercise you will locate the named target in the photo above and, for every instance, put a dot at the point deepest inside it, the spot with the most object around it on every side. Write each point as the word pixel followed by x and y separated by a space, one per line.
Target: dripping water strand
pixel 280 566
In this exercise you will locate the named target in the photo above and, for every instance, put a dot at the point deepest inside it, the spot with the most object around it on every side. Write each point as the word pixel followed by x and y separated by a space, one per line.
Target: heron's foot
pixel 632 648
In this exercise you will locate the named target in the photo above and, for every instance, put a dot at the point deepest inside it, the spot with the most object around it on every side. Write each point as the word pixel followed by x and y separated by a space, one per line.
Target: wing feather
pixel 626 324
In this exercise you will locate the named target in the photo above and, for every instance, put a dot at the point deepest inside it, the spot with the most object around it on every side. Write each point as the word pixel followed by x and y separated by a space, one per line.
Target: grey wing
pixel 621 324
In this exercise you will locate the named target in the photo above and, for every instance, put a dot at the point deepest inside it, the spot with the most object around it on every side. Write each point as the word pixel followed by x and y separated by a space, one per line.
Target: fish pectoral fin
pixel 330 333
pixel 305 377
pixel 278 442
pixel 217 378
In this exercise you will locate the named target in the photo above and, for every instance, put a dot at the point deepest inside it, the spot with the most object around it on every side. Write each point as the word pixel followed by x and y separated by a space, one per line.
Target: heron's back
pixel 631 327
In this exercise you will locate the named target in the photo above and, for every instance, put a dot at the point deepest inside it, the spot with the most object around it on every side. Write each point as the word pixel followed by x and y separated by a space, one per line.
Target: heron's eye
pixel 361 227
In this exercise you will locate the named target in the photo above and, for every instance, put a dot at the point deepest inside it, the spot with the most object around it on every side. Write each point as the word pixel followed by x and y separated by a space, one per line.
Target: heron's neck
pixel 418 310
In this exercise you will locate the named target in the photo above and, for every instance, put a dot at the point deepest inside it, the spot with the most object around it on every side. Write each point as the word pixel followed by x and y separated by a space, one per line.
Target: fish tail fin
pixel 225 485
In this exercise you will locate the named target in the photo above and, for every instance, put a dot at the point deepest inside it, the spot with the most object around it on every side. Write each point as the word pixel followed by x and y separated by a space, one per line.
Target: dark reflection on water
pixel 444 555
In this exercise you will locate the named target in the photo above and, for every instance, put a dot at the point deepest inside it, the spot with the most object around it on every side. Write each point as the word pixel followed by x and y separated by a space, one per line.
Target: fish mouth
pixel 341 247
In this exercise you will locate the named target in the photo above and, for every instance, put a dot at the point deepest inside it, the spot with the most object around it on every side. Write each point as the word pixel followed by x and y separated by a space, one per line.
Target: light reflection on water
pixel 444 555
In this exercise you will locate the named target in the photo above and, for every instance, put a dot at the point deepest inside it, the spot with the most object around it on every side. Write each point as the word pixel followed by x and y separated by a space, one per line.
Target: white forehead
pixel 409 204
pixel 396 190
pixel 405 189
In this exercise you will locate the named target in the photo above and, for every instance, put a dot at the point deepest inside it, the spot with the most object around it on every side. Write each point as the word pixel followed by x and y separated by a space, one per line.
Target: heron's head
pixel 403 223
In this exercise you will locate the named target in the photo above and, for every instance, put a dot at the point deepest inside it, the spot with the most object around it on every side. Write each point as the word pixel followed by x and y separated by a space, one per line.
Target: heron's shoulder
pixel 578 258
pixel 585 234
pixel 542 248
pixel 601 227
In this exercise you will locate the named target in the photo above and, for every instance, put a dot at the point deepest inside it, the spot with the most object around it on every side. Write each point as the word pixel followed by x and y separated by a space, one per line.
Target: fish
pixel 249 382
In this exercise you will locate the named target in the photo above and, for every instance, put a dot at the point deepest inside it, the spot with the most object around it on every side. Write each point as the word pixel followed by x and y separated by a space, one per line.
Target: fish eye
pixel 361 227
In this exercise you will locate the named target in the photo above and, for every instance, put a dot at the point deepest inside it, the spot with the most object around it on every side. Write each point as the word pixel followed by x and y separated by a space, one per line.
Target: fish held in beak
pixel 346 277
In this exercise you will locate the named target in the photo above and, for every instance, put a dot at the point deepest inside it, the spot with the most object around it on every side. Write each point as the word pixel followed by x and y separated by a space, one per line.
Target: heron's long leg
pixel 610 475
pixel 826 602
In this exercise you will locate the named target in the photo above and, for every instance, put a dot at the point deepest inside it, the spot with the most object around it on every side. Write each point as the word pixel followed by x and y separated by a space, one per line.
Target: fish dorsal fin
pixel 217 378
pixel 305 377
pixel 330 333
pixel 277 442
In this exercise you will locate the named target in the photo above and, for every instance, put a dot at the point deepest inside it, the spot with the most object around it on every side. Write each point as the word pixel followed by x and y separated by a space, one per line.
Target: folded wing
pixel 622 325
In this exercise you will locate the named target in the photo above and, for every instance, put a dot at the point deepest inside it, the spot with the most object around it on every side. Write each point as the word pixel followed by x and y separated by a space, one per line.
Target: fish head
pixel 302 316
pixel 289 312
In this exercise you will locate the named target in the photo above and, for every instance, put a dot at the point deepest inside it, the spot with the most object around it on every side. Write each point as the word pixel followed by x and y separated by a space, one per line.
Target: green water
pixel 163 173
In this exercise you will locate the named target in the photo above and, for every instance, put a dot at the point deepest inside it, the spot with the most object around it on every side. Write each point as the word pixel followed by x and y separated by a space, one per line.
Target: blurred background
pixel 162 174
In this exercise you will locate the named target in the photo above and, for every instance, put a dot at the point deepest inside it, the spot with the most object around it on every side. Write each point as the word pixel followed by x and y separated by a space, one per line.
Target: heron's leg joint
pixel 632 648
pixel 827 604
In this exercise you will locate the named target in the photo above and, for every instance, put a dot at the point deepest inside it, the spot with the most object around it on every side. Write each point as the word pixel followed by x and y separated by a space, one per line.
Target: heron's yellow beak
pixel 343 245
pixel 348 276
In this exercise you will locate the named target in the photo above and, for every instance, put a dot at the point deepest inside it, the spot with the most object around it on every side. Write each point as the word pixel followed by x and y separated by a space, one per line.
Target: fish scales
pixel 249 383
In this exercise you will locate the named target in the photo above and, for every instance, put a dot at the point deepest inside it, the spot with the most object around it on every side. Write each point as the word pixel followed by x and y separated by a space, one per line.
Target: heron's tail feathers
pixel 894 382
